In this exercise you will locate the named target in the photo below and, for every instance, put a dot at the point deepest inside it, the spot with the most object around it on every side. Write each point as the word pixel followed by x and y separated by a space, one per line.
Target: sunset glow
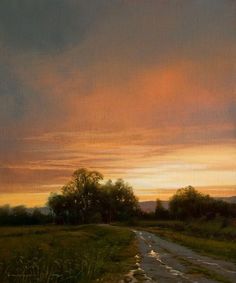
pixel 139 90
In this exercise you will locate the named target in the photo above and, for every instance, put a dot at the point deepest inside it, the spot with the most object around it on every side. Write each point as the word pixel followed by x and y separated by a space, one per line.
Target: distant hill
pixel 44 210
pixel 149 206
pixel 228 199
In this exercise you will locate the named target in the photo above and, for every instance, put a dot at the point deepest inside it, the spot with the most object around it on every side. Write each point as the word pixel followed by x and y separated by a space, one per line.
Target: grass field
pixel 214 238
pixel 65 254
pixel 98 253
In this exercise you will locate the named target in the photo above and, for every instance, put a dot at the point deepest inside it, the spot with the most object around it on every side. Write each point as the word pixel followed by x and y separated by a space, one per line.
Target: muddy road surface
pixel 162 261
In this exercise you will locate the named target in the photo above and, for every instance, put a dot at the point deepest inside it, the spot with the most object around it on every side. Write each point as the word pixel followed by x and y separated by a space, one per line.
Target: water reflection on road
pixel 161 261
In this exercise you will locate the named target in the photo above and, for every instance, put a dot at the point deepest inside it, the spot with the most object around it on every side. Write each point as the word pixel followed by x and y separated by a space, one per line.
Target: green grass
pixel 210 238
pixel 65 254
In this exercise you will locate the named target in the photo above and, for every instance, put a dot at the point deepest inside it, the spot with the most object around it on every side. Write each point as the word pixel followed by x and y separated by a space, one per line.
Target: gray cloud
pixel 149 26
pixel 47 25
pixel 12 95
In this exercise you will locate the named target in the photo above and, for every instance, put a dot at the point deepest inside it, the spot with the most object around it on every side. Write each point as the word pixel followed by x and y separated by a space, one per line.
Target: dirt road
pixel 163 262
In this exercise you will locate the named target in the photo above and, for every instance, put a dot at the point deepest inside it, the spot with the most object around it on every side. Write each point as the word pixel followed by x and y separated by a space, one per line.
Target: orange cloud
pixel 180 93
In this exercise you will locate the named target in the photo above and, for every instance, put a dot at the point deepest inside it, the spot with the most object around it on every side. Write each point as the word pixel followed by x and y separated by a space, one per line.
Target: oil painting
pixel 117 141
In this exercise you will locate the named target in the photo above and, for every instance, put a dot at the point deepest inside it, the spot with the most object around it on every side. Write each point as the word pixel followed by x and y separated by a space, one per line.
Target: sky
pixel 143 90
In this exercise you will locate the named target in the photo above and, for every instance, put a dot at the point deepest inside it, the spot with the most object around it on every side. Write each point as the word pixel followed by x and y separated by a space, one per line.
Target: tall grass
pixel 37 266
pixel 67 255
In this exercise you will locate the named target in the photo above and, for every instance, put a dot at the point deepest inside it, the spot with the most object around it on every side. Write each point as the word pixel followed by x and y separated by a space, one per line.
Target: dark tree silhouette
pixel 118 201
pixel 189 203
pixel 84 200
pixel 160 211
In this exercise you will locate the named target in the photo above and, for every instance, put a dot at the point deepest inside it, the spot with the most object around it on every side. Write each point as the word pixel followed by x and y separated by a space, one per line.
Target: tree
pixel 20 215
pixel 85 200
pixel 37 217
pixel 124 202
pixel 83 193
pixel 189 203
pixel 57 204
pixel 79 199
pixel 160 211
pixel 106 202
pixel 83 177
pixel 4 215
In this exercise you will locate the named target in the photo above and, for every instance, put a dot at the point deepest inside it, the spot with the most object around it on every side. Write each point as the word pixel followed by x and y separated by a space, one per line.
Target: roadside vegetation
pixel 218 228
pixel 206 239
pixel 196 221
pixel 83 253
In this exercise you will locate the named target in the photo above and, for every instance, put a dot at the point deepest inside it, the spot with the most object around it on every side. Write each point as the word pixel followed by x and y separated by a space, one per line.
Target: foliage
pixel 160 211
pixel 118 201
pixel 20 215
pixel 189 203
pixel 84 200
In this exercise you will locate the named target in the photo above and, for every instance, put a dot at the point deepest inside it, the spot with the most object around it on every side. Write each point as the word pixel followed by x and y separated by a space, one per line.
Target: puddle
pixel 208 263
pixel 173 271
pixel 136 275
pixel 148 249
pixel 155 255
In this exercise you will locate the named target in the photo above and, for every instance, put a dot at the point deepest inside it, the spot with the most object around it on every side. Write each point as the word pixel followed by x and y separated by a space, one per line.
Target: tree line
pixel 188 203
pixel 20 215
pixel 84 199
